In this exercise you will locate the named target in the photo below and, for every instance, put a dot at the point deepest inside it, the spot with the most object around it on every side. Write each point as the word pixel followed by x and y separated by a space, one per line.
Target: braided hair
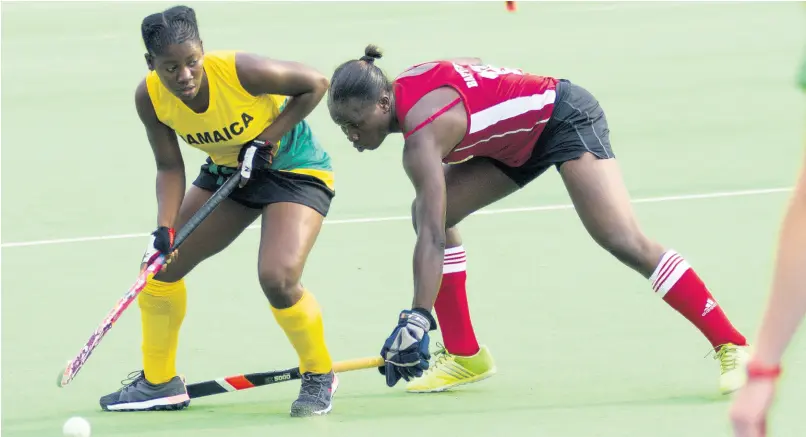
pixel 172 26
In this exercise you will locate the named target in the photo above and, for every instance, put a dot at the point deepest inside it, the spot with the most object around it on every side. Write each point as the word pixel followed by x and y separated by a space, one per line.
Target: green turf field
pixel 701 100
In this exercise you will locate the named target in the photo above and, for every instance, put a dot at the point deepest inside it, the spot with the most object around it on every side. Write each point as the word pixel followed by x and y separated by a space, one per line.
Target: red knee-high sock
pixel 451 305
pixel 676 282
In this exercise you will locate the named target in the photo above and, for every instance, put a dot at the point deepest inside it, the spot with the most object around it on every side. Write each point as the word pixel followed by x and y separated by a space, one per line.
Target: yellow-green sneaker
pixel 447 371
pixel 733 362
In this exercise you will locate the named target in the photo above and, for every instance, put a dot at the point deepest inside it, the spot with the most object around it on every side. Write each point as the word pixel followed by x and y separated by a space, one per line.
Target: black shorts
pixel 577 125
pixel 269 186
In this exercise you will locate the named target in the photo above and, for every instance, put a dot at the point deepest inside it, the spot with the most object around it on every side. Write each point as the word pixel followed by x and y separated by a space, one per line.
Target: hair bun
pixel 371 53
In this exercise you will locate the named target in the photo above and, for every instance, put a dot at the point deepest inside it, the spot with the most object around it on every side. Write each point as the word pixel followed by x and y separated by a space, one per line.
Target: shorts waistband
pixel 562 87
pixel 220 170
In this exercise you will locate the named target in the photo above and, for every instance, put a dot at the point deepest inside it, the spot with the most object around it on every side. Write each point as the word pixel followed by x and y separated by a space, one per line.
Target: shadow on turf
pixel 206 414
pixel 357 405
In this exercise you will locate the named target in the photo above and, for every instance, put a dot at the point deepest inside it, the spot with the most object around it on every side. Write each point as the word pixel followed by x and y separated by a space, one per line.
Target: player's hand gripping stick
pixel 161 243
pixel 405 352
pixel 255 155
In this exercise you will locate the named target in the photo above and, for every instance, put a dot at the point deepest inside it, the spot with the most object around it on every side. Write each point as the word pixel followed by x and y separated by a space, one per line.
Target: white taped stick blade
pixel 64 375
pixel 150 249
pixel 248 157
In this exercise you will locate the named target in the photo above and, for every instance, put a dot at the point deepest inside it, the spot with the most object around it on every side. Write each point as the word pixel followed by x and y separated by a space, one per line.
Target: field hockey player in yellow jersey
pixel 234 106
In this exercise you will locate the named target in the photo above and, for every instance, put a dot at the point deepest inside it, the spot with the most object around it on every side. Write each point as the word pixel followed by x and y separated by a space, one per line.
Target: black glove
pixel 255 155
pixel 162 241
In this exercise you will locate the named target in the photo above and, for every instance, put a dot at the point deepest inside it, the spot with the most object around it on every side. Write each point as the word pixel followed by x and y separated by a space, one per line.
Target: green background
pixel 701 98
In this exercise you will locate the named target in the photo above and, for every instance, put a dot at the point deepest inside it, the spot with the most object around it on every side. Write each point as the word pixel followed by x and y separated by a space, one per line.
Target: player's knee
pixel 450 219
pixel 280 282
pixel 452 237
pixel 414 214
pixel 172 273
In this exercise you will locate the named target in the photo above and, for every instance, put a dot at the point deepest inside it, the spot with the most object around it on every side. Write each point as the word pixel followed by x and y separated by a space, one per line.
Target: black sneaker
pixel 137 394
pixel 315 395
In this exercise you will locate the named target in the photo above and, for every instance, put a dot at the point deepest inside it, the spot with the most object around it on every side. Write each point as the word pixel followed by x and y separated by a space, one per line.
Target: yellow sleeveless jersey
pixel 233 117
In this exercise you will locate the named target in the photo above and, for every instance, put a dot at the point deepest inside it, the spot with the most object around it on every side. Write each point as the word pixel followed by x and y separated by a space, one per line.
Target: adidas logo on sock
pixel 709 305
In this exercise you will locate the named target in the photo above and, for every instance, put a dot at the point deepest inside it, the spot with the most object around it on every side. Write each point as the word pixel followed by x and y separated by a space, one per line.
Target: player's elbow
pixel 323 81
pixel 170 165
pixel 320 84
pixel 169 162
pixel 417 218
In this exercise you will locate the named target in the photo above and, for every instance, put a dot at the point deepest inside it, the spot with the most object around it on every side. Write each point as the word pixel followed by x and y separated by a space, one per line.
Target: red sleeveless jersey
pixel 507 109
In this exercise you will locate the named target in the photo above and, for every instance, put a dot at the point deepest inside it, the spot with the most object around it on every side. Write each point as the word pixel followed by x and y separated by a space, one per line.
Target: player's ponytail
pixel 359 79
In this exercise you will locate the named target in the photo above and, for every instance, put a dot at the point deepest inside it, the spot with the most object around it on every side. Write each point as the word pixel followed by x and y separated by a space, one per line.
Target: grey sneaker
pixel 315 394
pixel 137 394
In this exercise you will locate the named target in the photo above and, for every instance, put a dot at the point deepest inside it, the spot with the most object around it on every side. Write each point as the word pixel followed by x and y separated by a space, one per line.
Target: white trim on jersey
pixel 526 129
pixel 418 70
pixel 511 108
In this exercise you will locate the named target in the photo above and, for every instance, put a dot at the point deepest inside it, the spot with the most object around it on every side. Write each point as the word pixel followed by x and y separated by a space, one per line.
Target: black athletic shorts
pixel 577 125
pixel 269 186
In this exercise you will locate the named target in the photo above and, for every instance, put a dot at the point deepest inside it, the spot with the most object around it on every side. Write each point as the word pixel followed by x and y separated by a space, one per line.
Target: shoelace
pixel 438 357
pixel 727 358
pixel 132 379
pixel 314 385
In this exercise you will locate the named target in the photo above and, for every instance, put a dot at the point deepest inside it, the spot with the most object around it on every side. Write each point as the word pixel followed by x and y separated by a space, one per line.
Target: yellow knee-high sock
pixel 162 310
pixel 302 323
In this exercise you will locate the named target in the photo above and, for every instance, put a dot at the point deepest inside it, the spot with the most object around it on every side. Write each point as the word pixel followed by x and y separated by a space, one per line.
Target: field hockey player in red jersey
pixel 475 134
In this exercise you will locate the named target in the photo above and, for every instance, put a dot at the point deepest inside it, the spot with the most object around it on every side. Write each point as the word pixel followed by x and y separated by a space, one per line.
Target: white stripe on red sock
pixel 455 260
pixel 670 269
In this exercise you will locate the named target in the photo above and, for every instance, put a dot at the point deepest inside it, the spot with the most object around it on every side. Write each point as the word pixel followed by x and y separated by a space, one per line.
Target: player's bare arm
pixel 787 301
pixel 422 159
pixel 784 313
pixel 168 157
pixel 422 162
pixel 303 84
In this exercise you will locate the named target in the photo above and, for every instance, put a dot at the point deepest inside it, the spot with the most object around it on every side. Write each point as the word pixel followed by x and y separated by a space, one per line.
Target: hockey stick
pixel 74 365
pixel 251 380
